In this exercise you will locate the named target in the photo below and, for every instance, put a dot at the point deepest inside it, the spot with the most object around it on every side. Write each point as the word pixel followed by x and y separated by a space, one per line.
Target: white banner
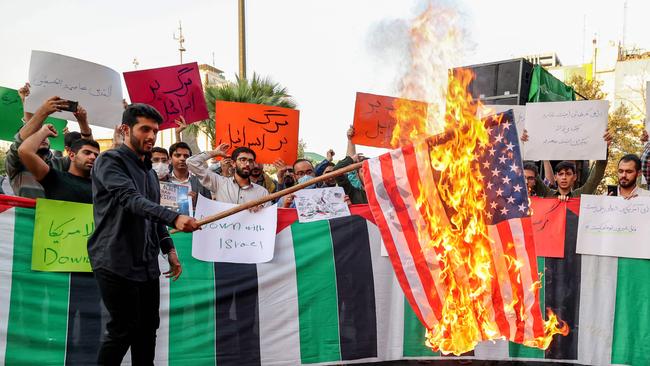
pixel 566 130
pixel 97 88
pixel 614 227
pixel 244 237
pixel 519 112
pixel 321 204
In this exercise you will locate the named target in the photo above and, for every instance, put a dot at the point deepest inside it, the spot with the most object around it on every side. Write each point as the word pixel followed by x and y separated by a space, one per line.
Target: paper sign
pixel 374 118
pixel 11 114
pixel 566 130
pixel 97 88
pixel 61 232
pixel 175 197
pixel 519 113
pixel 321 204
pixel 549 224
pixel 614 227
pixel 174 91
pixel 244 237
pixel 272 132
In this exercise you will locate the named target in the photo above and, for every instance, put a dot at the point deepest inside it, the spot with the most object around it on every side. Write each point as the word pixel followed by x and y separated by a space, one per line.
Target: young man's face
pixel 179 158
pixel 530 178
pixel 243 164
pixel 142 136
pixel 256 170
pixel 158 157
pixel 627 174
pixel 332 181
pixel 565 178
pixel 303 168
pixel 84 159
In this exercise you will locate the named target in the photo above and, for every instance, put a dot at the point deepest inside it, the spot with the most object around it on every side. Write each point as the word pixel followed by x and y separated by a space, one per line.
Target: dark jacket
pixel 595 176
pixel 357 195
pixel 129 222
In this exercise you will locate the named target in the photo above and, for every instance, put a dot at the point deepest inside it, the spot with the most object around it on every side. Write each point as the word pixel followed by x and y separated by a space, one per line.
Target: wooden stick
pixel 272 196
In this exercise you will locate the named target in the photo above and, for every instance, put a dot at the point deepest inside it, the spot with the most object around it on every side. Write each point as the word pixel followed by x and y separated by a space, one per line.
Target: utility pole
pixel 180 40
pixel 135 63
pixel 242 39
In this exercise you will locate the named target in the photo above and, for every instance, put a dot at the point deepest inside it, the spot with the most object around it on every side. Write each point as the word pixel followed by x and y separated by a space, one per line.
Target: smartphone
pixel 612 190
pixel 72 106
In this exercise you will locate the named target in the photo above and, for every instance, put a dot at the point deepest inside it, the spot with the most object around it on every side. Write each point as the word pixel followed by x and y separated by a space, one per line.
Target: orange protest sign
pixel 374 118
pixel 272 132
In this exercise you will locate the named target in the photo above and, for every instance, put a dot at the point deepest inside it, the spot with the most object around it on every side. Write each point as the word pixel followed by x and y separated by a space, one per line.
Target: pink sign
pixel 174 91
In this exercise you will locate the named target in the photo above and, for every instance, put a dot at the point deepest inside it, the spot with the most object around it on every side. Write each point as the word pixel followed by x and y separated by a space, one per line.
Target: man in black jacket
pixel 130 233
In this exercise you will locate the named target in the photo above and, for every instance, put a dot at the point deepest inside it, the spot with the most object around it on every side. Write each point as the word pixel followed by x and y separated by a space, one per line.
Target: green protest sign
pixel 11 113
pixel 61 231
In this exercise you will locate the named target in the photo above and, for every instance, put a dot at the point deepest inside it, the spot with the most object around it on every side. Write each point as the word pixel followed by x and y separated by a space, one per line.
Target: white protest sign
pixel 244 237
pixel 647 105
pixel 566 130
pixel 97 88
pixel 519 113
pixel 321 204
pixel 614 227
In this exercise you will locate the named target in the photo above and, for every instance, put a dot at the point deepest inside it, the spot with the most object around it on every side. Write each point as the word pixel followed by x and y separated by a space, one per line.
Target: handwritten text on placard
pixel 61 231
pixel 244 237
pixel 614 226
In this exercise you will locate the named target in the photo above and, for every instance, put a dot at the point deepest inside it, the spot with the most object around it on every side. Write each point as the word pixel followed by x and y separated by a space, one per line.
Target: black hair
pixel 158 149
pixel 79 143
pixel 133 111
pixel 240 150
pixel 71 137
pixel 532 167
pixel 300 161
pixel 565 165
pixel 634 158
pixel 179 145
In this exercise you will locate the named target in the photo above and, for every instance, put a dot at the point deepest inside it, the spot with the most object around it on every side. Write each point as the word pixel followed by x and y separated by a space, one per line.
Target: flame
pixel 461 246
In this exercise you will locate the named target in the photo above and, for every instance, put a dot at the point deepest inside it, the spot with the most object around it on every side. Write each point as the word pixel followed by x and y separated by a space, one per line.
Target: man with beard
pixel 237 189
pixel 629 169
pixel 260 177
pixel 130 233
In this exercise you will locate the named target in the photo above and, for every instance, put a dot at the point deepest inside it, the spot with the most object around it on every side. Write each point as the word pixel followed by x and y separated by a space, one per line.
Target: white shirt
pixel 224 189
pixel 637 191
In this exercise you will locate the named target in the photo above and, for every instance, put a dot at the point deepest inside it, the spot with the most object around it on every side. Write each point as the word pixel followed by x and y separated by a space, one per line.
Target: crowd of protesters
pixel 131 225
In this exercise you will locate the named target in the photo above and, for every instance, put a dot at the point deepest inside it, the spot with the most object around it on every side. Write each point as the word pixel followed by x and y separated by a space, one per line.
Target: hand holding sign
pixel 375 119
pixel 272 132
pixel 175 91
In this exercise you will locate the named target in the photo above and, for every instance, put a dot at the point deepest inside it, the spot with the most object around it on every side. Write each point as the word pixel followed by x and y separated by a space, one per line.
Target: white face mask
pixel 161 169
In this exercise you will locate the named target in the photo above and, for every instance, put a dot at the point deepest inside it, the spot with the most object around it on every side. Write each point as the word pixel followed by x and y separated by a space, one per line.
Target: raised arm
pixel 28 152
pixel 53 104
pixel 198 166
pixel 84 128
pixel 352 148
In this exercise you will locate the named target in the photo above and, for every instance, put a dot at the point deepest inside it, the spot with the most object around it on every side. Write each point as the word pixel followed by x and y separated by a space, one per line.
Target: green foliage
pixel 3 158
pixel 257 90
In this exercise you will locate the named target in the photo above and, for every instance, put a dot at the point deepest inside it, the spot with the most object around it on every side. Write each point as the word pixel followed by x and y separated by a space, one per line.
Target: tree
pixel 257 90
pixel 625 132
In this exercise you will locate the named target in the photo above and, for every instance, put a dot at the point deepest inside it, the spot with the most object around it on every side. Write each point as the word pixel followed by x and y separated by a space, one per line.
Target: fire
pixel 461 246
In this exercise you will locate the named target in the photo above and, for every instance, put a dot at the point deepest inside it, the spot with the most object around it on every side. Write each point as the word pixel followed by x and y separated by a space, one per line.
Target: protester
pixel 22 181
pixel 285 175
pixel 320 168
pixel 260 177
pixel 629 170
pixel 331 182
pixel 72 185
pixel 530 173
pixel 237 189
pixel 351 182
pixel 565 177
pixel 129 234
pixel 645 157
pixel 180 173
pixel 160 162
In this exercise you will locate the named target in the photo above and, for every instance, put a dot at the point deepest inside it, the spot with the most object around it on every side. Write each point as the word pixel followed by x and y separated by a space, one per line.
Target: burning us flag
pixel 453 213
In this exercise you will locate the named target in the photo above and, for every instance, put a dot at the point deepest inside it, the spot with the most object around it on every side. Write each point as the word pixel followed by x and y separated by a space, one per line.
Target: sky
pixel 322 51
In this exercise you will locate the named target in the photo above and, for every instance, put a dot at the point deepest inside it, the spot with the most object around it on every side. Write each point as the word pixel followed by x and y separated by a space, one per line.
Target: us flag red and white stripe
pixel 393 182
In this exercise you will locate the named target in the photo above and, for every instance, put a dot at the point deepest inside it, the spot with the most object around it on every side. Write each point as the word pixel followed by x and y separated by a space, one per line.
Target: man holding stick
pixel 130 233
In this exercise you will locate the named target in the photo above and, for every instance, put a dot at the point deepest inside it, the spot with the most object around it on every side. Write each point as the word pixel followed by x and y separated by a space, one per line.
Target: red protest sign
pixel 272 132
pixel 174 91
pixel 374 118
pixel 549 225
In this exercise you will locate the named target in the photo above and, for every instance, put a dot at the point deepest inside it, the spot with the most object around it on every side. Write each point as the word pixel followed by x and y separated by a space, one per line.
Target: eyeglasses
pixel 301 173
